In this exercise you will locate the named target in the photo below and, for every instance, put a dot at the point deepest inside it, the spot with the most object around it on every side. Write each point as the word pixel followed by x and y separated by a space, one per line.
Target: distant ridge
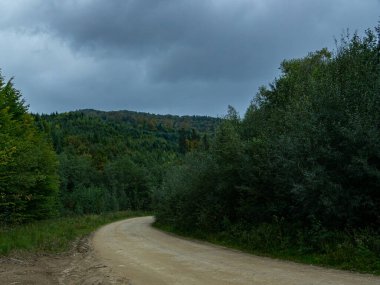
pixel 175 122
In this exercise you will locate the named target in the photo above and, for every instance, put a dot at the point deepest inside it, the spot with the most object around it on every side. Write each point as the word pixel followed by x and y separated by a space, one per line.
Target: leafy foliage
pixel 305 159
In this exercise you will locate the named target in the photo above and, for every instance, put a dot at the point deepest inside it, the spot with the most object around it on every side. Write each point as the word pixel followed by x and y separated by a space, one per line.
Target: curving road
pixel 143 255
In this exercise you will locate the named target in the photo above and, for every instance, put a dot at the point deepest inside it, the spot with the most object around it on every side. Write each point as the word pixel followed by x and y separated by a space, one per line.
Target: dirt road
pixel 142 255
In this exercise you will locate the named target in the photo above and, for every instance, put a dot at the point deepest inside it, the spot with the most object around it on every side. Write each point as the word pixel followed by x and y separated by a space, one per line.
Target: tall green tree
pixel 28 165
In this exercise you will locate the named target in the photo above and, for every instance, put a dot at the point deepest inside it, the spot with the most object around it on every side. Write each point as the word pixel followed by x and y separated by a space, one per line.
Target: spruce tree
pixel 28 165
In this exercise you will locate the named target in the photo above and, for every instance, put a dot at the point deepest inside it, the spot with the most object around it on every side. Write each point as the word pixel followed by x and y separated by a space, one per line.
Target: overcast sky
pixel 163 56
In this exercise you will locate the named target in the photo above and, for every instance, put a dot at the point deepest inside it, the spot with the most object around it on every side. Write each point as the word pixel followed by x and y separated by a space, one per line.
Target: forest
pixel 299 172
pixel 87 161
pixel 111 161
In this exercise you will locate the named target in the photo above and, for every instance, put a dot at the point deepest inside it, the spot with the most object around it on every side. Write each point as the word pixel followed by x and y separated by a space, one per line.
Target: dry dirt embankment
pixel 143 255
pixel 78 266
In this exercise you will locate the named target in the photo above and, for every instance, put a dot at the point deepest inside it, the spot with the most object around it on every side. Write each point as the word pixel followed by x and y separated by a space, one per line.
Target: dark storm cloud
pixel 197 39
pixel 174 56
pixel 180 39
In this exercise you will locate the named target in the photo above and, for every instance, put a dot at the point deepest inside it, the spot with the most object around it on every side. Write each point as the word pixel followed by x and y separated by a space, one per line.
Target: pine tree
pixel 28 165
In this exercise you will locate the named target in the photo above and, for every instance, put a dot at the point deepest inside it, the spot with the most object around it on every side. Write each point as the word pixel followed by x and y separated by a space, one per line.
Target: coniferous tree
pixel 28 165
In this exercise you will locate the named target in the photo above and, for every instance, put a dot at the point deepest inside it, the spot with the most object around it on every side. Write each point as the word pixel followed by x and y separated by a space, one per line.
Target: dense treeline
pixel 111 161
pixel 301 168
pixel 86 161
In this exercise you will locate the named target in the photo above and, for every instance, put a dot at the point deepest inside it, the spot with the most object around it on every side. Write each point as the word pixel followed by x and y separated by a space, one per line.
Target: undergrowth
pixel 356 251
pixel 55 235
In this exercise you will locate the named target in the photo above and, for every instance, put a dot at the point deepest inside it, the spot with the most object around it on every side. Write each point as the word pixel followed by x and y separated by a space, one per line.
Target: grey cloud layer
pixel 165 49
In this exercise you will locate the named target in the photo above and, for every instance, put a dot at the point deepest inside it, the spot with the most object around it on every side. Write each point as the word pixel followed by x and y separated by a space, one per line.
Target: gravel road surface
pixel 142 255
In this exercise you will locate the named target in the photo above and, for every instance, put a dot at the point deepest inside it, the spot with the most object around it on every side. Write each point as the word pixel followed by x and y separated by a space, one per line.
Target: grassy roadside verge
pixel 55 235
pixel 338 253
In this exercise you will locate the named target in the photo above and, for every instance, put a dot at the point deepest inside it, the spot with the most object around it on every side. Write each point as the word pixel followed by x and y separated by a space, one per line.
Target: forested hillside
pixel 87 161
pixel 110 161
pixel 299 174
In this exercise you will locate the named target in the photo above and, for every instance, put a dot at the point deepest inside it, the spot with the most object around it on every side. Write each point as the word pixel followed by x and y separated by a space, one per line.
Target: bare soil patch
pixel 78 266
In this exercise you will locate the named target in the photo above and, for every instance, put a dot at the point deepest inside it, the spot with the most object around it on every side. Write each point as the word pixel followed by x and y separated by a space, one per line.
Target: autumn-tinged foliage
pixel 111 161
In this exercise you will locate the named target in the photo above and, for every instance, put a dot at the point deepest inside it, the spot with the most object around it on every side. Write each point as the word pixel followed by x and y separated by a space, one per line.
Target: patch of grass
pixel 358 251
pixel 55 235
